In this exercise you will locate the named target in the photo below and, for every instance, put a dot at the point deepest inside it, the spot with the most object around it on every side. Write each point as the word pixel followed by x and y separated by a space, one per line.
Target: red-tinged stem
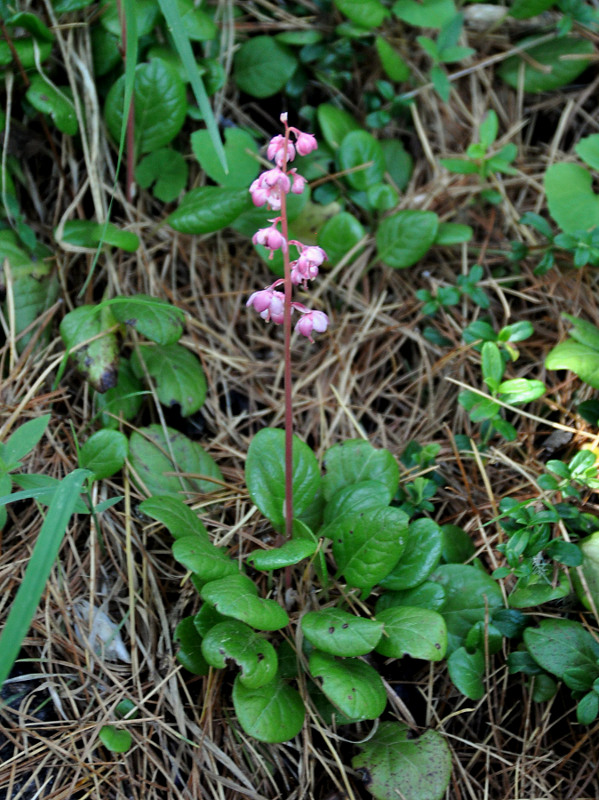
pixel 287 373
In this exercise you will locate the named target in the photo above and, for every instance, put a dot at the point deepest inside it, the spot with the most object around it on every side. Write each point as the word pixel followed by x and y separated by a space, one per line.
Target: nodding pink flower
pixel 268 187
pixel 302 272
pixel 299 183
pixel 316 321
pixel 304 142
pixel 271 238
pixel 276 150
pixel 269 304
pixel 312 256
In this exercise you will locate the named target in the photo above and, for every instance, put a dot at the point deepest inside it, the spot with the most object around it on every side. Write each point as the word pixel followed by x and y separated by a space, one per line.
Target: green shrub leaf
pixel 263 66
pixel 559 645
pixel 175 515
pixel 403 238
pixel 208 209
pixel 202 558
pixel 166 170
pixel 289 553
pixel 564 56
pixel 241 151
pixel 55 101
pixel 341 634
pixel 467 671
pixel 233 640
pixel 178 375
pixel 237 597
pixel 104 453
pixel 97 361
pixel 356 460
pixel 156 319
pixel 272 713
pixel 357 149
pixel 412 631
pixel 352 686
pixel 570 197
pixel 190 647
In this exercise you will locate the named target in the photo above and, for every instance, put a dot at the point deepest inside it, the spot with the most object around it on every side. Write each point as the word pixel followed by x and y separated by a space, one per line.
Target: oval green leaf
pixel 412 631
pixel 341 634
pixel 272 713
pixel 563 56
pixel 208 209
pixel 156 319
pixel 570 197
pixel 335 124
pixel 233 640
pixel 420 557
pixel 98 360
pixel 352 686
pixel 358 149
pixel 339 234
pixel 467 671
pixel 237 597
pixel 175 515
pixel 117 740
pixel 289 553
pixel 104 453
pixel 263 66
pixel 403 238
pixel 357 460
pixel 190 647
pixel 202 558
pixel 177 373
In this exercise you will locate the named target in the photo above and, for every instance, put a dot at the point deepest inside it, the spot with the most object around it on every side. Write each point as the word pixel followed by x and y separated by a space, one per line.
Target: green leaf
pixel 27 49
pixel 190 647
pixel 43 488
pixel 570 197
pixel 202 558
pixel 588 150
pixel 403 238
pixel 426 14
pixel 353 686
pixel 441 82
pixel 263 66
pixel 489 127
pixel 175 515
pixel 578 358
pixel 470 595
pixel 157 86
pixel 241 151
pixel 199 26
pixel 117 740
pixel 449 233
pixel 339 234
pixel 237 596
pixel 354 461
pixel 150 458
pixel 350 501
pixel 272 713
pixel 178 375
pixel 341 634
pixel 393 64
pixel 335 124
pixel 536 590
pixel 399 162
pixel 420 557
pixel 417 632
pixel 87 233
pixel 382 197
pixel 265 475
pixel 583 331
pixel 521 390
pixel 97 361
pixel 42 559
pixel 123 401
pixel 156 319
pixel 587 709
pixel 365 13
pixel 145 12
pixel 524 9
pixel 44 96
pixel 357 149
pixel 458 547
pixel 564 56
pixel 233 640
pixel 104 453
pixel 559 645
pixel 467 671
pixel 166 170
pixel 208 209
pixel 459 165
pixel 370 546
pixel 492 365
pixel 289 553
pixel 24 439
pixel 32 24
pixel 393 758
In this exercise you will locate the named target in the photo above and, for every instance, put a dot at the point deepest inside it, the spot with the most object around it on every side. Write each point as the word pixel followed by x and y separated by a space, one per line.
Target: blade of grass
pixel 39 567
pixel 170 11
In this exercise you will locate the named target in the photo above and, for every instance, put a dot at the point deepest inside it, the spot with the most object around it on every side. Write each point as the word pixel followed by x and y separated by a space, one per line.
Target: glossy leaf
pixel 177 373
pixel 564 56
pixel 559 645
pixel 365 13
pixel 44 96
pixel 23 440
pixel 199 25
pixel 335 124
pixel 98 360
pixel 265 475
pixel 392 757
pixel 338 633
pixel 412 631
pixel 339 234
pixel 104 453
pixel 232 640
pixel 353 686
pixel 419 558
pixel 427 595
pixel 356 460
pixel 150 458
pixel 289 553
pixel 272 713
pixel 208 209
pixel 237 597
pixel 578 358
pixel 88 233
pixel 359 148
pixel 157 86
pixel 467 671
pixel 117 740
pixel 524 9
pixel 208 562
pixel 263 66
pixel 157 320
pixel 449 233
pixel 391 61
pixel 351 501
pixel 179 519
pixel 190 647
pixel 146 15
pixel 403 238
pixel 370 546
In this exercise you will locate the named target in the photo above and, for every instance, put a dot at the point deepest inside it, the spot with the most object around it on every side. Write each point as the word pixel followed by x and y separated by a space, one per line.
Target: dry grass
pixel 374 375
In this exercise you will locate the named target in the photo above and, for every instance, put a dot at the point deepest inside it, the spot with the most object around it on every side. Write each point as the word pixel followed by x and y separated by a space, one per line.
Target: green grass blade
pixel 39 567
pixel 173 20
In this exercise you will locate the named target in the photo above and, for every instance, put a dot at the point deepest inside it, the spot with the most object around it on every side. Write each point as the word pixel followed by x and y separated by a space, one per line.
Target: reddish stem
pixel 287 373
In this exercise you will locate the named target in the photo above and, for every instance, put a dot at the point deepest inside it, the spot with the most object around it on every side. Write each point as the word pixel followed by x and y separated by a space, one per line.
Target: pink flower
pixel 271 238
pixel 268 187
pixel 299 183
pixel 316 321
pixel 304 142
pixel 276 150
pixel 302 272
pixel 312 256
pixel 269 304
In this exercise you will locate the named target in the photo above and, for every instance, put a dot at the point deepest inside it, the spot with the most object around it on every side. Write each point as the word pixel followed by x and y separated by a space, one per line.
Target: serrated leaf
pixel 370 546
pixel 356 460
pixel 104 453
pixel 157 86
pixel 237 597
pixel 164 169
pixel 392 758
pixel 564 56
pixel 353 686
pixel 202 558
pixel 150 458
pixel 98 360
pixel 263 66
pixel 155 319
pixel 190 647
pixel 177 373
pixel 403 238
pixel 421 555
pixel 54 101
pixel 413 631
pixel 208 209
pixel 338 633
pixel 265 475
pixel 289 553
pixel 467 671
pixel 232 640
pixel 177 517
pixel 272 713
pixel 359 148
